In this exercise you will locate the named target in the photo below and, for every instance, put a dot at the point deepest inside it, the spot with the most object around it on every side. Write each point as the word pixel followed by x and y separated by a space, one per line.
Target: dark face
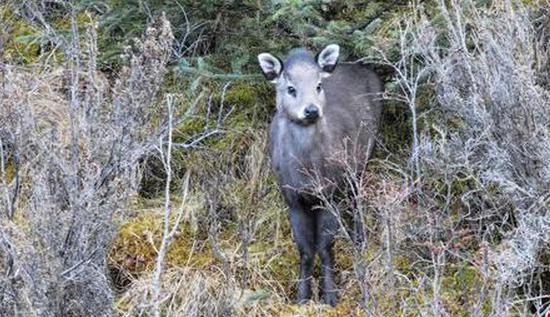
pixel 299 85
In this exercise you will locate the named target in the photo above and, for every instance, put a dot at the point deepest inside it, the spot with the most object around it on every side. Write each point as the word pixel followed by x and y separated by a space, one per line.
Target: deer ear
pixel 328 58
pixel 271 66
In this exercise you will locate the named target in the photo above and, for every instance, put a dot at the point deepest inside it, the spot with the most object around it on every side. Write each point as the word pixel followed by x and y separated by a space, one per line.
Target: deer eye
pixel 319 88
pixel 291 91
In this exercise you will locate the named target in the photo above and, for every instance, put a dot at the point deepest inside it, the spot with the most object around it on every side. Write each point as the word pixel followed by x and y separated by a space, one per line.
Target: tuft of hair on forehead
pixel 300 57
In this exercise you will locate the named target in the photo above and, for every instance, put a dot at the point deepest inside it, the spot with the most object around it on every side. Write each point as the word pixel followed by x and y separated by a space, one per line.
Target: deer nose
pixel 311 112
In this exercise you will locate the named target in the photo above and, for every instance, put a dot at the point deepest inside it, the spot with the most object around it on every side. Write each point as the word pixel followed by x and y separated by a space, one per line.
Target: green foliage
pixel 25 41
pixel 15 33
pixel 461 288
pixel 228 35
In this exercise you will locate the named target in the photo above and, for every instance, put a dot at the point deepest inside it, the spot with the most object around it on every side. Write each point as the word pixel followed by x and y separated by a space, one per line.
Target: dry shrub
pixel 76 142
pixel 489 82
pixel 475 214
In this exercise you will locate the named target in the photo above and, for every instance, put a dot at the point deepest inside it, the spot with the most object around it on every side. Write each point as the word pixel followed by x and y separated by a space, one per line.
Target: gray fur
pixel 349 112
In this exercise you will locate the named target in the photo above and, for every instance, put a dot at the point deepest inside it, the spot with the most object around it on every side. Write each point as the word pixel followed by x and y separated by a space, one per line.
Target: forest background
pixel 134 179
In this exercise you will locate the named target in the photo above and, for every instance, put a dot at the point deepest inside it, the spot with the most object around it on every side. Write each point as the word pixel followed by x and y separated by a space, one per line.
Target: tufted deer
pixel 322 109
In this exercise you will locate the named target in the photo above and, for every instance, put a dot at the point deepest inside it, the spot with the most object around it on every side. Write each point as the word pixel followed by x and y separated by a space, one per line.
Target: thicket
pixel 111 117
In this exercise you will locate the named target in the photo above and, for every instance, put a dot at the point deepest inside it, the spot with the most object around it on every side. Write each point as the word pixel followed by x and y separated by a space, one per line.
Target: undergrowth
pixel 457 213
